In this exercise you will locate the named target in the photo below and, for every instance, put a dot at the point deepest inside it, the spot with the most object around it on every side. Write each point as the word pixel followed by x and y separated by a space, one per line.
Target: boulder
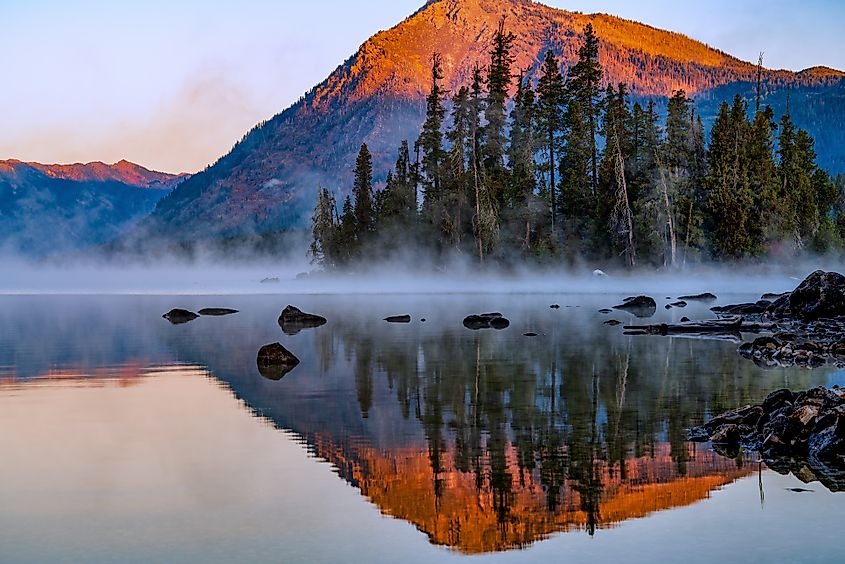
pixel 398 319
pixel 639 306
pixel 820 296
pixel 217 312
pixel 180 316
pixel 293 320
pixel 705 297
pixel 275 361
pixel 486 321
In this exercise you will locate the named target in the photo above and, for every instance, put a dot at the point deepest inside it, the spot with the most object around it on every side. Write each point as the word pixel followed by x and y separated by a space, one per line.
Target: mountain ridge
pixel 123 171
pixel 269 179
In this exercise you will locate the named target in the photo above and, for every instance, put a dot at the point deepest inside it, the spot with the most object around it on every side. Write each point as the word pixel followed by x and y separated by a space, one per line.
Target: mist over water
pixel 295 274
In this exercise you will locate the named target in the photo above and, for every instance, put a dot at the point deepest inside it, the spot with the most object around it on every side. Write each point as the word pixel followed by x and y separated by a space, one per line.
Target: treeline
pixel 569 170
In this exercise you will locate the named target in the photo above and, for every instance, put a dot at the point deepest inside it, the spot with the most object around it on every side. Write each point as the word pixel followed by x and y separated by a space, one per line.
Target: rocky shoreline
pixel 799 432
pixel 805 327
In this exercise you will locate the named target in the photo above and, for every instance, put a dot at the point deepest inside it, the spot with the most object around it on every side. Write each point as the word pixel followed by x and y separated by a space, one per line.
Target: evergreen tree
pixel 499 79
pixel 584 88
pixel 362 191
pixel 550 102
pixel 729 199
pixel 615 223
pixel 521 152
pixel 431 138
pixel 324 229
pixel 762 178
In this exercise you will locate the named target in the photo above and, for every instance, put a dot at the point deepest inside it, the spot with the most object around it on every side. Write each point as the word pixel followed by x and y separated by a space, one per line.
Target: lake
pixel 127 439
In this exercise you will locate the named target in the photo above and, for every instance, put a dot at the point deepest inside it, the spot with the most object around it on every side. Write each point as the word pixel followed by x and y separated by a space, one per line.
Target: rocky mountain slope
pixel 270 178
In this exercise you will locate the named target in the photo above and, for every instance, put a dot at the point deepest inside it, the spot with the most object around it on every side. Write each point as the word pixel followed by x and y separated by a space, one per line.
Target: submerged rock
pixel 293 320
pixel 705 297
pixel 398 319
pixel 275 361
pixel 217 312
pixel 486 321
pixel 613 323
pixel 180 316
pixel 640 306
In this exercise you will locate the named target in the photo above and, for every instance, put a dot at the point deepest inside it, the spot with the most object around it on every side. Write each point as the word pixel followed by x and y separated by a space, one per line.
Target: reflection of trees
pixel 574 420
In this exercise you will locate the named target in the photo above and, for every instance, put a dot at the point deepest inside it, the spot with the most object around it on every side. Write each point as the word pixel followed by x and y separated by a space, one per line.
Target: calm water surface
pixel 124 438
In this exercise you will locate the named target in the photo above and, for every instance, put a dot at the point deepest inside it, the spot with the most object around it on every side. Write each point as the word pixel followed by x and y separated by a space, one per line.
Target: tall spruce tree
pixel 584 87
pixel 499 78
pixel 362 192
pixel 431 138
pixel 729 198
pixel 324 226
pixel 550 115
pixel 521 153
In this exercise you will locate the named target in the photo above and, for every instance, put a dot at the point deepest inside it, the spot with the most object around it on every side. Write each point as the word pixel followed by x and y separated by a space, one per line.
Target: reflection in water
pixel 485 441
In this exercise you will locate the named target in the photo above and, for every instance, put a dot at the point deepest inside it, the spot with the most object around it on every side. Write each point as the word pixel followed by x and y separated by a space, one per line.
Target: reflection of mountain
pixel 484 441
pixel 459 514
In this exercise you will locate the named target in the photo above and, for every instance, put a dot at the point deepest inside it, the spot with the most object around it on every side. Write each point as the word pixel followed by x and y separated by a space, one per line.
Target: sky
pixel 172 85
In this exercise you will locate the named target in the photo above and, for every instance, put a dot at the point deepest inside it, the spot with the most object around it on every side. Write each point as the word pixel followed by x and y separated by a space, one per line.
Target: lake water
pixel 126 439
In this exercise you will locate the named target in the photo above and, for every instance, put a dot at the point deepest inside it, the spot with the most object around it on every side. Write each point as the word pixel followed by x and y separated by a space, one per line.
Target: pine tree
pixel 729 199
pixel 521 150
pixel 457 185
pixel 762 178
pixel 550 102
pixel 499 79
pixel 431 138
pixel 615 225
pixel 485 221
pixel 324 226
pixel 362 191
pixel 584 87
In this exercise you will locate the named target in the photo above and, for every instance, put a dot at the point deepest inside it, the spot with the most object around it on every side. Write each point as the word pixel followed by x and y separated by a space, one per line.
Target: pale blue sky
pixel 172 84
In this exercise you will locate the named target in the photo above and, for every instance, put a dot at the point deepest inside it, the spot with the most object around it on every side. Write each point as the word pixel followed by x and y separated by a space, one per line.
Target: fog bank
pixel 298 276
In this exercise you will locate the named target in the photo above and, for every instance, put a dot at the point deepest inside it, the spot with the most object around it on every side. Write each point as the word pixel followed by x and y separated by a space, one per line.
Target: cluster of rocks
pixel 805 327
pixel 182 316
pixel 800 425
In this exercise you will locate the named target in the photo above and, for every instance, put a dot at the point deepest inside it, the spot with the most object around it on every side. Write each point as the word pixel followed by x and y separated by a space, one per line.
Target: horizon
pixel 249 77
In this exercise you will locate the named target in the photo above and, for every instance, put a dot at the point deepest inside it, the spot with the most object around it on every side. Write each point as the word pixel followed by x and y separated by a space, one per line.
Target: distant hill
pixel 269 179
pixel 46 209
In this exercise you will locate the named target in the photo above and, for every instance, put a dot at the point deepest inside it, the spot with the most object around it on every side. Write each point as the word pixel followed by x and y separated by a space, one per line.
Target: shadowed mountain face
pixel 46 209
pixel 269 180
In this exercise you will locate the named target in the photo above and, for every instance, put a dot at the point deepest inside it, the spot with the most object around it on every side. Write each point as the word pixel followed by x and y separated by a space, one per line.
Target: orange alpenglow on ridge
pixel 401 483
pixel 653 62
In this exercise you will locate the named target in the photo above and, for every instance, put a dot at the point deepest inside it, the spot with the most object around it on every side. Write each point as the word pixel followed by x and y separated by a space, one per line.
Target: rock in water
pixel 820 296
pixel 293 320
pixel 705 297
pixel 640 306
pixel 275 361
pixel 217 312
pixel 398 319
pixel 486 321
pixel 180 316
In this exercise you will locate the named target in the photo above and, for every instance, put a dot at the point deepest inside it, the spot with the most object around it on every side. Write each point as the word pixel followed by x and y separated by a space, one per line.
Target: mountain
pixel 270 178
pixel 45 209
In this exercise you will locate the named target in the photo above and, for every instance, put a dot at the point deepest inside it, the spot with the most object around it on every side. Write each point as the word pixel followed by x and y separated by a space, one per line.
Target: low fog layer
pixel 297 276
